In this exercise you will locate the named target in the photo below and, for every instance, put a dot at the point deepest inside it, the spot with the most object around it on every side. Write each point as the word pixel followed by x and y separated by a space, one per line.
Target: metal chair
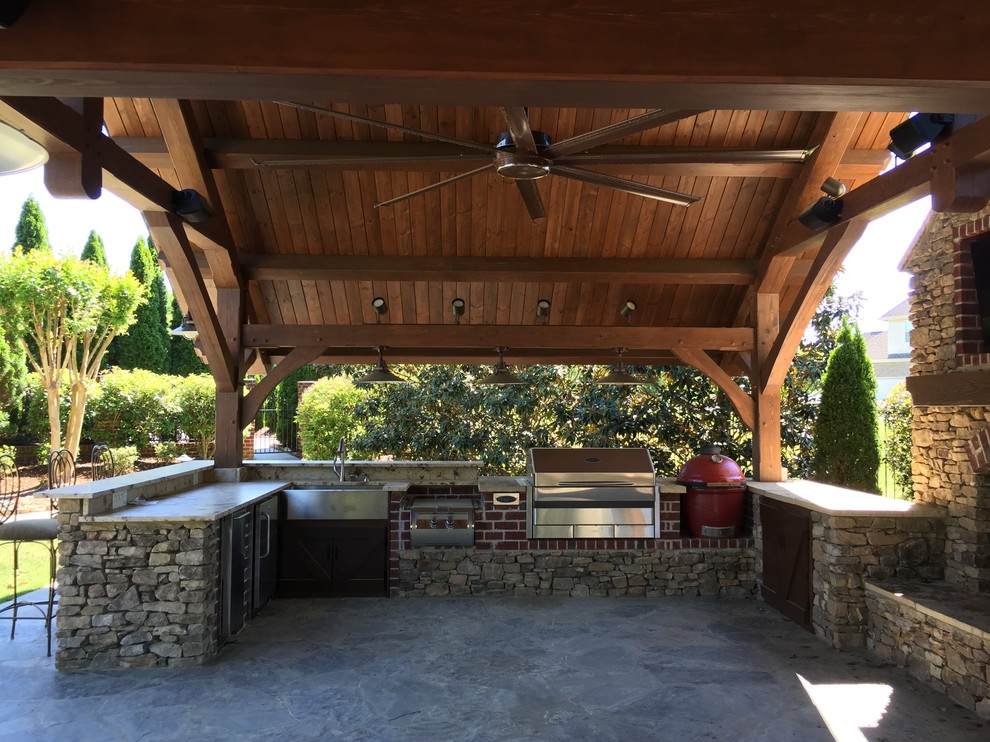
pixel 101 462
pixel 19 529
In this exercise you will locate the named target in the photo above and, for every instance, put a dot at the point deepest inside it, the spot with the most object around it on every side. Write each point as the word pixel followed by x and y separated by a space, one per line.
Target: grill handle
pixel 623 483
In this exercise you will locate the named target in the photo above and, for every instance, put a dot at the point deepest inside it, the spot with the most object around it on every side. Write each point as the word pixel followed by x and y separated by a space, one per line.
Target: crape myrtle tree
pixel 145 345
pixel 847 450
pixel 31 232
pixel 70 309
pixel 94 250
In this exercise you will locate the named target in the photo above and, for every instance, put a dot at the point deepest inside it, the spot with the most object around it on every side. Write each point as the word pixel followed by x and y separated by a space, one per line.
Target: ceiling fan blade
pixel 519 129
pixel 627 186
pixel 643 122
pixel 635 155
pixel 531 196
pixel 433 186
pixel 387 125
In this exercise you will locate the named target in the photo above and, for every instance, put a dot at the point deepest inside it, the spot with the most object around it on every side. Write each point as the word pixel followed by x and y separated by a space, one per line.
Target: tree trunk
pixel 77 410
pixel 54 421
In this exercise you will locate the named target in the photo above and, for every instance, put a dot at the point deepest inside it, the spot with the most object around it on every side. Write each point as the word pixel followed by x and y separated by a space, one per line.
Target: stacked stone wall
pixel 136 595
pixel 950 656
pixel 634 572
pixel 848 550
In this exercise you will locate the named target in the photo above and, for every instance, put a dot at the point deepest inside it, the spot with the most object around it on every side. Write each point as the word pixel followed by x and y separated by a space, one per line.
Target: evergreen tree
pixel 183 360
pixel 146 343
pixel 847 447
pixel 31 232
pixel 95 251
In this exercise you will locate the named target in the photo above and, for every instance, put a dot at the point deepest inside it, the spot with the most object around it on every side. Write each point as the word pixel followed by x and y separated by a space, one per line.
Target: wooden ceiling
pixel 766 102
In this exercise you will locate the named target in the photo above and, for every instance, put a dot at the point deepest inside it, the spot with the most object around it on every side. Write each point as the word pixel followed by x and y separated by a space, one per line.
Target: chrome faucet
pixel 341 457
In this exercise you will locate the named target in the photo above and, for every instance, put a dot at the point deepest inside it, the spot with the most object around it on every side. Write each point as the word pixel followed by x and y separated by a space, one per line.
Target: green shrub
pixel 124 459
pixel 166 452
pixel 9 451
pixel 195 400
pixel 36 409
pixel 129 407
pixel 326 414
pixel 896 412
pixel 43 450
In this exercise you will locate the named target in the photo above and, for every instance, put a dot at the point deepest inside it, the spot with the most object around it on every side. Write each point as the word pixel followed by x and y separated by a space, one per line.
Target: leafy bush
pixel 44 449
pixel 326 414
pixel 166 452
pixel 9 451
pixel 124 459
pixel 36 409
pixel 195 401
pixel 896 412
pixel 129 407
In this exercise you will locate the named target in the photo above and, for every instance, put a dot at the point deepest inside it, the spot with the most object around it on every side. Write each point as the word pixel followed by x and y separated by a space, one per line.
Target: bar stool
pixel 101 462
pixel 18 529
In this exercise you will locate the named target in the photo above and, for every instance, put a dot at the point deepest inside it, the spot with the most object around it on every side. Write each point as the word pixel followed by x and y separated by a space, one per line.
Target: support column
pixel 766 434
pixel 229 452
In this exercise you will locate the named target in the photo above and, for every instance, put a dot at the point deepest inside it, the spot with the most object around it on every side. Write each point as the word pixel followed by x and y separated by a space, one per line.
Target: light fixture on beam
pixel 502 374
pixel 380 374
pixel 827 209
pixel 457 307
pixel 543 310
pixel 190 206
pixel 187 329
pixel 628 307
pixel 18 152
pixel 381 308
pixel 923 128
pixel 618 376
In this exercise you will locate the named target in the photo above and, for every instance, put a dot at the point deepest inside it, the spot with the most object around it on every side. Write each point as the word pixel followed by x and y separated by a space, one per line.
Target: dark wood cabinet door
pixel 332 559
pixel 787 559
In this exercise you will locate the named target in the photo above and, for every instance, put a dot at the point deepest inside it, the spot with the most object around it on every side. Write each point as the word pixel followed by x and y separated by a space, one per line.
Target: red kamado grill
pixel 716 487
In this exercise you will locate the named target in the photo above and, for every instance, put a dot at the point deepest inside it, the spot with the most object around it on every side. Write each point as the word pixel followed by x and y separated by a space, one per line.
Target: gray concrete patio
pixel 489 669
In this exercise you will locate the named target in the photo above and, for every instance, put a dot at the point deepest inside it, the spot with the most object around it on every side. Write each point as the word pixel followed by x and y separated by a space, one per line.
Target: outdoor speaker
pixel 917 131
pixel 11 11
pixel 190 206
pixel 821 213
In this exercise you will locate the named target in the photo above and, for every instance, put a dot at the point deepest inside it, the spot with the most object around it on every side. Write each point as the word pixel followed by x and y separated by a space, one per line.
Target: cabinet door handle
pixel 268 535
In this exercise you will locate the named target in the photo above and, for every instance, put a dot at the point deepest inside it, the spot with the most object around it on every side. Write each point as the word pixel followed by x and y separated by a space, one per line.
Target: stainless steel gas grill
pixel 591 493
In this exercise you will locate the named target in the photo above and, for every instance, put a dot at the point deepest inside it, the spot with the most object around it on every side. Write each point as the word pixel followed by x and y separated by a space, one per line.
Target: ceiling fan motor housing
pixel 514 165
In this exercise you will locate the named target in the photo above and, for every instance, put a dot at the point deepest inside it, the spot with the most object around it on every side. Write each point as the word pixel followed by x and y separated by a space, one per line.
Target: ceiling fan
pixel 524 156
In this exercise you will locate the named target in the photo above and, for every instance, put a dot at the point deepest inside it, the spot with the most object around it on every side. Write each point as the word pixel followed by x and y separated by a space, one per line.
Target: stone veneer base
pixel 911 626
pixel 556 573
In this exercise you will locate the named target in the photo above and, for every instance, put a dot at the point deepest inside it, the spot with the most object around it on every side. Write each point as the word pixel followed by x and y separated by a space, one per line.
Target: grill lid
pixel 591 467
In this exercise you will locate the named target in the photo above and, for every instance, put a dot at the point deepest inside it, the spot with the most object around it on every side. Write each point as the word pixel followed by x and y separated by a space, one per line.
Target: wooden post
pixel 229 452
pixel 766 434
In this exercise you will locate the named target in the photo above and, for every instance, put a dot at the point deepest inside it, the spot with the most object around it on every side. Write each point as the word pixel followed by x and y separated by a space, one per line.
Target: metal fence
pixel 275 430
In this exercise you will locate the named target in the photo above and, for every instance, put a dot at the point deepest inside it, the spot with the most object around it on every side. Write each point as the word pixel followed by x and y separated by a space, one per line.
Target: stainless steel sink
pixel 344 502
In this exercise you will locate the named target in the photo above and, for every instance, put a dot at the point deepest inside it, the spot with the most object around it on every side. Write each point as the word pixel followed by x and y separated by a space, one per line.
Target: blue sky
pixel 870 269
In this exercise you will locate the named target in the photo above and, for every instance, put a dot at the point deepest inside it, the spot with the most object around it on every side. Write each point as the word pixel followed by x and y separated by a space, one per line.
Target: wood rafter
pixel 295 360
pixel 477 336
pixel 170 237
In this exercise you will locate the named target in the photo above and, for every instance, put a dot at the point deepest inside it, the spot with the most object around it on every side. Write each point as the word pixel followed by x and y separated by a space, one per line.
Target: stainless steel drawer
pixel 592 516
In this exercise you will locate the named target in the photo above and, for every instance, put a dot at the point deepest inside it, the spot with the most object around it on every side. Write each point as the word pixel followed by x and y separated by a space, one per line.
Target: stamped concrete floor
pixel 490 669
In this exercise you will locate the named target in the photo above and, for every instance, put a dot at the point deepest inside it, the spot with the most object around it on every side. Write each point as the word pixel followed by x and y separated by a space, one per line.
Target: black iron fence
pixel 275 430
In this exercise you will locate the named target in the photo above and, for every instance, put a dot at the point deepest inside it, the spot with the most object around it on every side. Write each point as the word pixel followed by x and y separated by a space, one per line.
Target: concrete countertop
pixel 504 484
pixel 206 503
pixel 89 490
pixel 832 500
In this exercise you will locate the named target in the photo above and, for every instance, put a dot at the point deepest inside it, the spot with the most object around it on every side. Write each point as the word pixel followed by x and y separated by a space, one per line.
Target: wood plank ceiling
pixel 286 193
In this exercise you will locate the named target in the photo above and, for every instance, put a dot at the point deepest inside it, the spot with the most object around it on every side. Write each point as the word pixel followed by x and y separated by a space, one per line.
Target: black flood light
pixel 921 129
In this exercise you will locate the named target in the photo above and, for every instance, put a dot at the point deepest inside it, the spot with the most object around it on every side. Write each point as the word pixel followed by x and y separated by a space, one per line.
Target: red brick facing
pixel 978 451
pixel 969 339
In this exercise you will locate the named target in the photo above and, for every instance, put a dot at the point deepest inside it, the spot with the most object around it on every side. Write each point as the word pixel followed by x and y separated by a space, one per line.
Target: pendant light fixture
pixel 380 373
pixel 501 374
pixel 187 329
pixel 618 376
pixel 18 152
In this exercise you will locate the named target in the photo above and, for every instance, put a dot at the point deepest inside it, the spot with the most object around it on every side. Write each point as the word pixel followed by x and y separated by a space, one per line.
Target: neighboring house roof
pixel 898 312
pixel 876 345
pixel 897 369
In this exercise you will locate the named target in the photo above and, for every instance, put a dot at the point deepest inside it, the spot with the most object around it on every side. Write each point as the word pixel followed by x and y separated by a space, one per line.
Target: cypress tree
pixel 183 360
pixel 846 441
pixel 31 232
pixel 146 343
pixel 94 250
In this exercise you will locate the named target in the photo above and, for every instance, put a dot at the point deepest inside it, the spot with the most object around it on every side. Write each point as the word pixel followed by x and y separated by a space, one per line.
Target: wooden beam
pixel 487 336
pixel 169 236
pixel 744 404
pixel 958 388
pixel 260 267
pixel 79 174
pixel 294 361
pixel 766 435
pixel 185 146
pixel 486 356
pixel 785 56
pixel 830 257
